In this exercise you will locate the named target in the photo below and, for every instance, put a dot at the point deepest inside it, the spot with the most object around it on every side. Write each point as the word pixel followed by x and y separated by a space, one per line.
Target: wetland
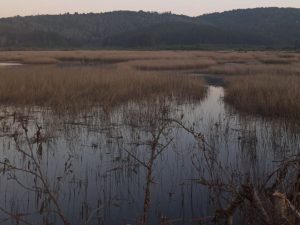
pixel 128 137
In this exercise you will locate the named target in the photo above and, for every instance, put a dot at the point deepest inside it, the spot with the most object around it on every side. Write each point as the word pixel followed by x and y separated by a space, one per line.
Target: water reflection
pixel 155 162
pixel 9 64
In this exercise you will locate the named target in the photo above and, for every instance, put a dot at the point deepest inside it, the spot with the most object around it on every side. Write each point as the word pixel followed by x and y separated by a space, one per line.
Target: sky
pixel 188 7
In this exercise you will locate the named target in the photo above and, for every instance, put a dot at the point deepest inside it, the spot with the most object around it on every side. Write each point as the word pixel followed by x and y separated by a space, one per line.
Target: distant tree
pixel 267 27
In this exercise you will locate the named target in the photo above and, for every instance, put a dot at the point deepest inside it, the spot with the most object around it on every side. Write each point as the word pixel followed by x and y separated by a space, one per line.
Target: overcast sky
pixel 187 7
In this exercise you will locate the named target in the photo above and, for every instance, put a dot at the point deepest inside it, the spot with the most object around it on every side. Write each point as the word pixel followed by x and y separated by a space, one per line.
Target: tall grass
pixel 119 76
pixel 53 57
pixel 253 69
pixel 90 85
pixel 174 64
pixel 179 57
pixel 274 96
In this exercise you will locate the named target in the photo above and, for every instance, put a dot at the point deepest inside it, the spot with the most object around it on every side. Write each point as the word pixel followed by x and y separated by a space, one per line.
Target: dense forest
pixel 261 27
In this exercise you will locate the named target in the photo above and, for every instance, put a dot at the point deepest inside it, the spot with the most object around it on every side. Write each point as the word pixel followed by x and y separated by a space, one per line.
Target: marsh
pixel 108 137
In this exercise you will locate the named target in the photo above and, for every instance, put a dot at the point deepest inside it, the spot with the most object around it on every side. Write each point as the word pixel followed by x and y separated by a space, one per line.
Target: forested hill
pixel 261 27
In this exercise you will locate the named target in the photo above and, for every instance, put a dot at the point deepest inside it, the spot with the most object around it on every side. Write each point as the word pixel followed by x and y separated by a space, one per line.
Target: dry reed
pixel 53 57
pixel 127 75
pixel 174 64
pixel 80 86
pixel 253 69
pixel 275 96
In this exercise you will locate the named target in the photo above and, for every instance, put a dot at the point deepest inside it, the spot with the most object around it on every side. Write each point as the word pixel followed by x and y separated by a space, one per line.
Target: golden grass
pixel 83 86
pixel 53 57
pixel 253 69
pixel 192 57
pixel 274 96
pixel 119 76
pixel 174 64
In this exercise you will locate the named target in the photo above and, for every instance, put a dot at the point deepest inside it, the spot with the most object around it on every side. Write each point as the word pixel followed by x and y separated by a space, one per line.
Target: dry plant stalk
pixel 62 87
pixel 275 96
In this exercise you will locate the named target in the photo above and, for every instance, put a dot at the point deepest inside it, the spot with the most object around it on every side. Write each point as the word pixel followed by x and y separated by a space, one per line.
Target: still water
pixel 140 163
pixel 9 64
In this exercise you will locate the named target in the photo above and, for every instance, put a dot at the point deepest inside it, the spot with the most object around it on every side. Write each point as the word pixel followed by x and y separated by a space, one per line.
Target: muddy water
pixel 100 168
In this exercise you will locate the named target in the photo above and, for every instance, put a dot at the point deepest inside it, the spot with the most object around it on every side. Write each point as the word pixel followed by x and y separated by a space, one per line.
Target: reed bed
pixel 272 96
pixel 54 57
pixel 253 69
pixel 174 64
pixel 260 81
pixel 187 57
pixel 78 86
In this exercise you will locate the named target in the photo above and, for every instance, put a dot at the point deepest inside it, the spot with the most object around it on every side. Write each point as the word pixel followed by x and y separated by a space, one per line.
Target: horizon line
pixel 150 11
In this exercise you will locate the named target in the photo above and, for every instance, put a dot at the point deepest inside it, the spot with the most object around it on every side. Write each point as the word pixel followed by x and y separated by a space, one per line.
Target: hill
pixel 264 27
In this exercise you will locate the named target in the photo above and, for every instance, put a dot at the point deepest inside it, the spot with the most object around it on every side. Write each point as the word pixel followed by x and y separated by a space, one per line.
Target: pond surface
pixel 138 164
